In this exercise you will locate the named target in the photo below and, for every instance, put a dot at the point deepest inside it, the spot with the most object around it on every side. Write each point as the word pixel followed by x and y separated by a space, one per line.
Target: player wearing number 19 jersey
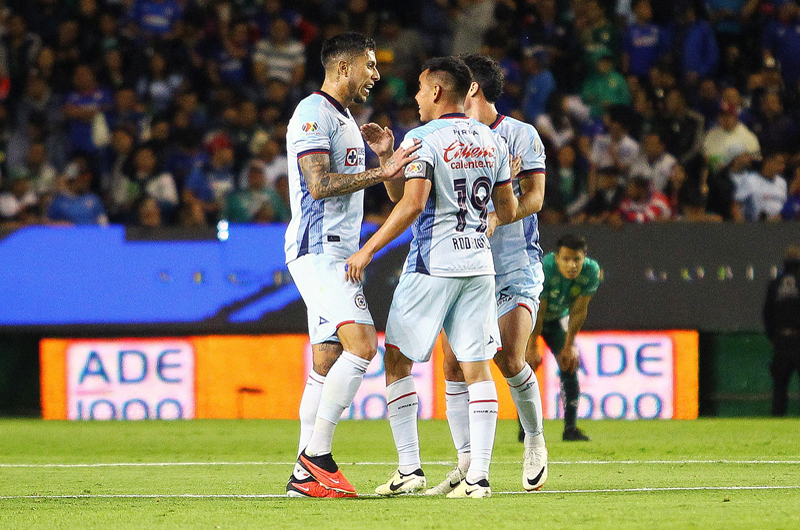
pixel 448 279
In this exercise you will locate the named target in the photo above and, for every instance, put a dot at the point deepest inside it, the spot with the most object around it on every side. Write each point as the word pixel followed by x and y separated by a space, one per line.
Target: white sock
pixel 402 402
pixel 340 388
pixel 482 425
pixel 525 392
pixel 308 407
pixel 456 397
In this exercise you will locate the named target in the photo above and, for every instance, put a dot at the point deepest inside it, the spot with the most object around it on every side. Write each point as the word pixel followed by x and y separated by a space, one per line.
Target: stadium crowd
pixel 174 112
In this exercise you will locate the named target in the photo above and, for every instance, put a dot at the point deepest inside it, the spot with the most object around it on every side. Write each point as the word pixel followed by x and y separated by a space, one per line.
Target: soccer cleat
pixel 534 468
pixel 448 484
pixel 400 484
pixel 326 472
pixel 465 490
pixel 309 487
pixel 574 434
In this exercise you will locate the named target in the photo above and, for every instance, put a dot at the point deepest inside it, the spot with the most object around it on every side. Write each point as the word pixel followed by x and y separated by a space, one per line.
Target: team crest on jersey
pixel 360 301
pixel 415 169
pixel 310 127
pixel 575 291
pixel 354 157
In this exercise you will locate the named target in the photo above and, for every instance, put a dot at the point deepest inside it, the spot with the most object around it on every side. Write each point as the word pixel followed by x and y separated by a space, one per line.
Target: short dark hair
pixel 348 44
pixel 455 70
pixel 572 242
pixel 487 73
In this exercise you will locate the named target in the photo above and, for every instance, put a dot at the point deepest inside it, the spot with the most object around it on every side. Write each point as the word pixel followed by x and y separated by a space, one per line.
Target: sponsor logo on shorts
pixel 361 302
pixel 503 297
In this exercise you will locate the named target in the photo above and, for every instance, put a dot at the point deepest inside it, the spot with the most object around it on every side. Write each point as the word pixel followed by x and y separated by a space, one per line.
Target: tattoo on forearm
pixel 322 183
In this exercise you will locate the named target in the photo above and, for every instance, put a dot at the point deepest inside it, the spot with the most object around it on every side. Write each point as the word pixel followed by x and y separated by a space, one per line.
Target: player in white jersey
pixel 518 283
pixel 326 177
pixel 448 278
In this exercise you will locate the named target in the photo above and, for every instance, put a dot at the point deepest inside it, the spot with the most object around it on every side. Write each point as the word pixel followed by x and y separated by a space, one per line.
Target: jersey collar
pixel 332 101
pixel 497 121
pixel 452 115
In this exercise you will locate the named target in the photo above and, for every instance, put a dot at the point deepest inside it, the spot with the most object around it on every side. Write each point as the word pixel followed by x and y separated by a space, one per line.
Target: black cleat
pixel 574 434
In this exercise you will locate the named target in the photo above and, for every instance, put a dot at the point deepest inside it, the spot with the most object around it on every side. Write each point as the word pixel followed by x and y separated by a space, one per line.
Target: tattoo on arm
pixel 322 183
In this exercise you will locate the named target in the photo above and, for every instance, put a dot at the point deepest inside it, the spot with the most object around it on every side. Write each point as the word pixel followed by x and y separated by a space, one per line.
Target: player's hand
pixel 404 154
pixel 494 222
pixel 516 166
pixel 379 139
pixel 354 268
pixel 568 359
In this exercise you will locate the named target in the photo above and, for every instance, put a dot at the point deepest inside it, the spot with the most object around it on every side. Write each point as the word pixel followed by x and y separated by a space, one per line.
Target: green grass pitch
pixel 703 474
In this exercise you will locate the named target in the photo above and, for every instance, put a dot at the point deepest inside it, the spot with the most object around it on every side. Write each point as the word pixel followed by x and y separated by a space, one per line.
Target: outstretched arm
pixel 322 183
pixel 407 210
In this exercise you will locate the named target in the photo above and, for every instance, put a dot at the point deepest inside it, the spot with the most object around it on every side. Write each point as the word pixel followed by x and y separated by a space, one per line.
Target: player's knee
pixel 508 363
pixel 452 371
pixel 396 364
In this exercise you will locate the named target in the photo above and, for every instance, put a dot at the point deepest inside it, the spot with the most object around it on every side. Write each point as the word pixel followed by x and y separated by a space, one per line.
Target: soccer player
pixel 448 278
pixel 325 184
pixel 570 280
pixel 518 283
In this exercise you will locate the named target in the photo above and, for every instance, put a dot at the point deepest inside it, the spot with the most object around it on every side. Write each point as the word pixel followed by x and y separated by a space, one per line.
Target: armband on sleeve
pixel 419 170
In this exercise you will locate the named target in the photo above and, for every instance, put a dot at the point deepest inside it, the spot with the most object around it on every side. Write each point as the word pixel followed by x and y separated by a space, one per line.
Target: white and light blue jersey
pixel 333 225
pixel 465 160
pixel 516 245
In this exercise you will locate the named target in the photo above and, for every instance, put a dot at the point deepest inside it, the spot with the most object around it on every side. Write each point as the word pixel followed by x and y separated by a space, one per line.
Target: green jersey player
pixel 570 281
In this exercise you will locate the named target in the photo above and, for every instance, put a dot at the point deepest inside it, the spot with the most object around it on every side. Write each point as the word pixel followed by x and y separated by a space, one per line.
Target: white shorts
pixel 423 305
pixel 330 299
pixel 521 287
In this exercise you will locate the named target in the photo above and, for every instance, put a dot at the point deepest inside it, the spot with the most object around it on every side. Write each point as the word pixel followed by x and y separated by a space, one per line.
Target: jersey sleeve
pixel 423 166
pixel 529 147
pixel 314 131
pixel 503 162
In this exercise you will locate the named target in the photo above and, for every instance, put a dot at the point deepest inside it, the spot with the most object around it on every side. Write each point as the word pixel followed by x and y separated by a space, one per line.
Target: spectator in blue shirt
pixel 81 108
pixel 77 204
pixel 698 46
pixel 643 43
pixel 782 42
pixel 210 184
pixel 156 18
pixel 539 84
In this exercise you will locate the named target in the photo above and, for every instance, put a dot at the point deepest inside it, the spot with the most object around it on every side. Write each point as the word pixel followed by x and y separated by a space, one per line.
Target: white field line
pixel 431 463
pixel 273 496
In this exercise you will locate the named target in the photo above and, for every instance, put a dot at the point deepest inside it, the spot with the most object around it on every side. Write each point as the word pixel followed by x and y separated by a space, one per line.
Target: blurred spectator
pixel 729 138
pixel 403 48
pixel 542 27
pixel 19 49
pixel 681 128
pixel 156 18
pixel 615 149
pixel 267 152
pixel 42 174
pixel 604 88
pixel 283 55
pixel 697 45
pixel 693 209
pixel 643 43
pixel 209 185
pixel 19 204
pixel 599 36
pixel 761 195
pixel 158 87
pixel 603 204
pixel 471 20
pixel 77 204
pixel 143 177
pixel 126 111
pixel 726 17
pixel 776 131
pixel 232 58
pixel 791 209
pixel 116 156
pixel 84 110
pixel 256 203
pixel 565 186
pixel 642 204
pixel 654 162
pixel 781 41
pixel 539 83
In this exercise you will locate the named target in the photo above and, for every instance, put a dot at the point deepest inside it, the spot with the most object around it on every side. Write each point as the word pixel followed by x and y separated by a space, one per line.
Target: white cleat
pixel 534 468
pixel 465 490
pixel 448 484
pixel 401 484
